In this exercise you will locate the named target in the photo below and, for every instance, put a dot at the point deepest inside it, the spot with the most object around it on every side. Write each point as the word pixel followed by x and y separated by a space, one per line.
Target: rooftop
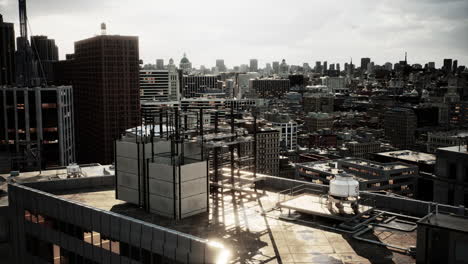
pixel 409 155
pixel 447 221
pixel 254 234
pixel 460 149
pixel 377 165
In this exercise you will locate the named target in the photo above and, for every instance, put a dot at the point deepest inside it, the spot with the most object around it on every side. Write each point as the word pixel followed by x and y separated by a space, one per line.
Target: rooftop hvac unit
pixel 73 171
pixel 343 189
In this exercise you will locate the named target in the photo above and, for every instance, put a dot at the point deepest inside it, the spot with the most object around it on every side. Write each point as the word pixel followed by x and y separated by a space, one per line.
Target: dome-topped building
pixel 185 65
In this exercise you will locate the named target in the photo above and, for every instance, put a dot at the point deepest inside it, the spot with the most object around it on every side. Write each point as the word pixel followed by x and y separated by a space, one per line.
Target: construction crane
pixel 27 72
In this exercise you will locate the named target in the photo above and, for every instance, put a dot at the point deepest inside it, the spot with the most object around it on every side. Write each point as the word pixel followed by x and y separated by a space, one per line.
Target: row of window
pixel 52 253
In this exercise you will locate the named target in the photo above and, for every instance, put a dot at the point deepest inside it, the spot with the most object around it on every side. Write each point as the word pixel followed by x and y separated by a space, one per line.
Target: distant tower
pixel 103 29
pixel 406 57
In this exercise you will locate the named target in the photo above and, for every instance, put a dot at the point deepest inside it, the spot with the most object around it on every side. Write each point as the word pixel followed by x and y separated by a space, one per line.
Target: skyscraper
pixel 276 67
pixel 455 66
pixel 107 98
pixel 447 65
pixel 7 53
pixel 253 65
pixel 364 62
pixel 400 126
pixel 220 65
pixel 45 53
pixel 159 64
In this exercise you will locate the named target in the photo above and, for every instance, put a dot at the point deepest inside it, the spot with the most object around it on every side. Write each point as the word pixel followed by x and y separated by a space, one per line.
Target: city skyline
pixel 305 32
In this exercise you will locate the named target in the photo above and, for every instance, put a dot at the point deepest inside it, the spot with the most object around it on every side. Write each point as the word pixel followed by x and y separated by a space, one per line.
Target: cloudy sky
pixel 296 30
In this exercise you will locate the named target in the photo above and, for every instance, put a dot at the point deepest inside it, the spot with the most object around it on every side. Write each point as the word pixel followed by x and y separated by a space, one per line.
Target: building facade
pixel 269 88
pixel 46 53
pixel 38 126
pixel 106 93
pixel 451 186
pixel 400 125
pixel 159 85
pixel 316 121
pixel 7 53
pixel 196 86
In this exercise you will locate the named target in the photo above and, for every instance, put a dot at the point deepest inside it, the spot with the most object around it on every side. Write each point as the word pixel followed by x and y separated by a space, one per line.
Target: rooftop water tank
pixel 344 185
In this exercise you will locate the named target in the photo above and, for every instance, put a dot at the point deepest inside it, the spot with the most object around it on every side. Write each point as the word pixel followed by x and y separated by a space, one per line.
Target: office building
pixel 447 65
pixel 197 85
pixel 7 53
pixel 455 66
pixel 253 65
pixel 243 83
pixel 275 66
pixel 318 102
pixel 268 69
pixel 269 88
pixel 160 64
pixel 73 225
pixel 442 238
pixel 37 126
pixel 335 84
pixel 159 85
pixel 46 53
pixel 361 149
pixel 221 66
pixel 452 178
pixel 318 67
pixel 268 147
pixel 287 127
pixel 400 125
pixel 106 94
pixel 315 121
pixel 364 63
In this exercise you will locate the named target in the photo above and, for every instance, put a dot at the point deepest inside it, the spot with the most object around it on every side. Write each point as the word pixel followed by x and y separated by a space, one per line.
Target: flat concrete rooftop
pixel 409 155
pixel 252 237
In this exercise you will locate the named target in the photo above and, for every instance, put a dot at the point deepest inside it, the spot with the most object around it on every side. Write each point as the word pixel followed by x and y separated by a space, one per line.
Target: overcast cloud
pixel 296 30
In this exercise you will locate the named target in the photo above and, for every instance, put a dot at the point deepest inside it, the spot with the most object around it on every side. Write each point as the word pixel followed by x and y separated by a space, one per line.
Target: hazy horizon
pixel 299 31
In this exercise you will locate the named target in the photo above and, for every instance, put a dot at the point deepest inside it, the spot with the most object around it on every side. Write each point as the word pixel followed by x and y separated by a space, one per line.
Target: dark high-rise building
pixel 106 92
pixel 270 88
pixel 45 53
pixel 364 62
pixel 455 65
pixel 253 65
pixel 37 126
pixel 447 65
pixel 400 125
pixel 7 53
